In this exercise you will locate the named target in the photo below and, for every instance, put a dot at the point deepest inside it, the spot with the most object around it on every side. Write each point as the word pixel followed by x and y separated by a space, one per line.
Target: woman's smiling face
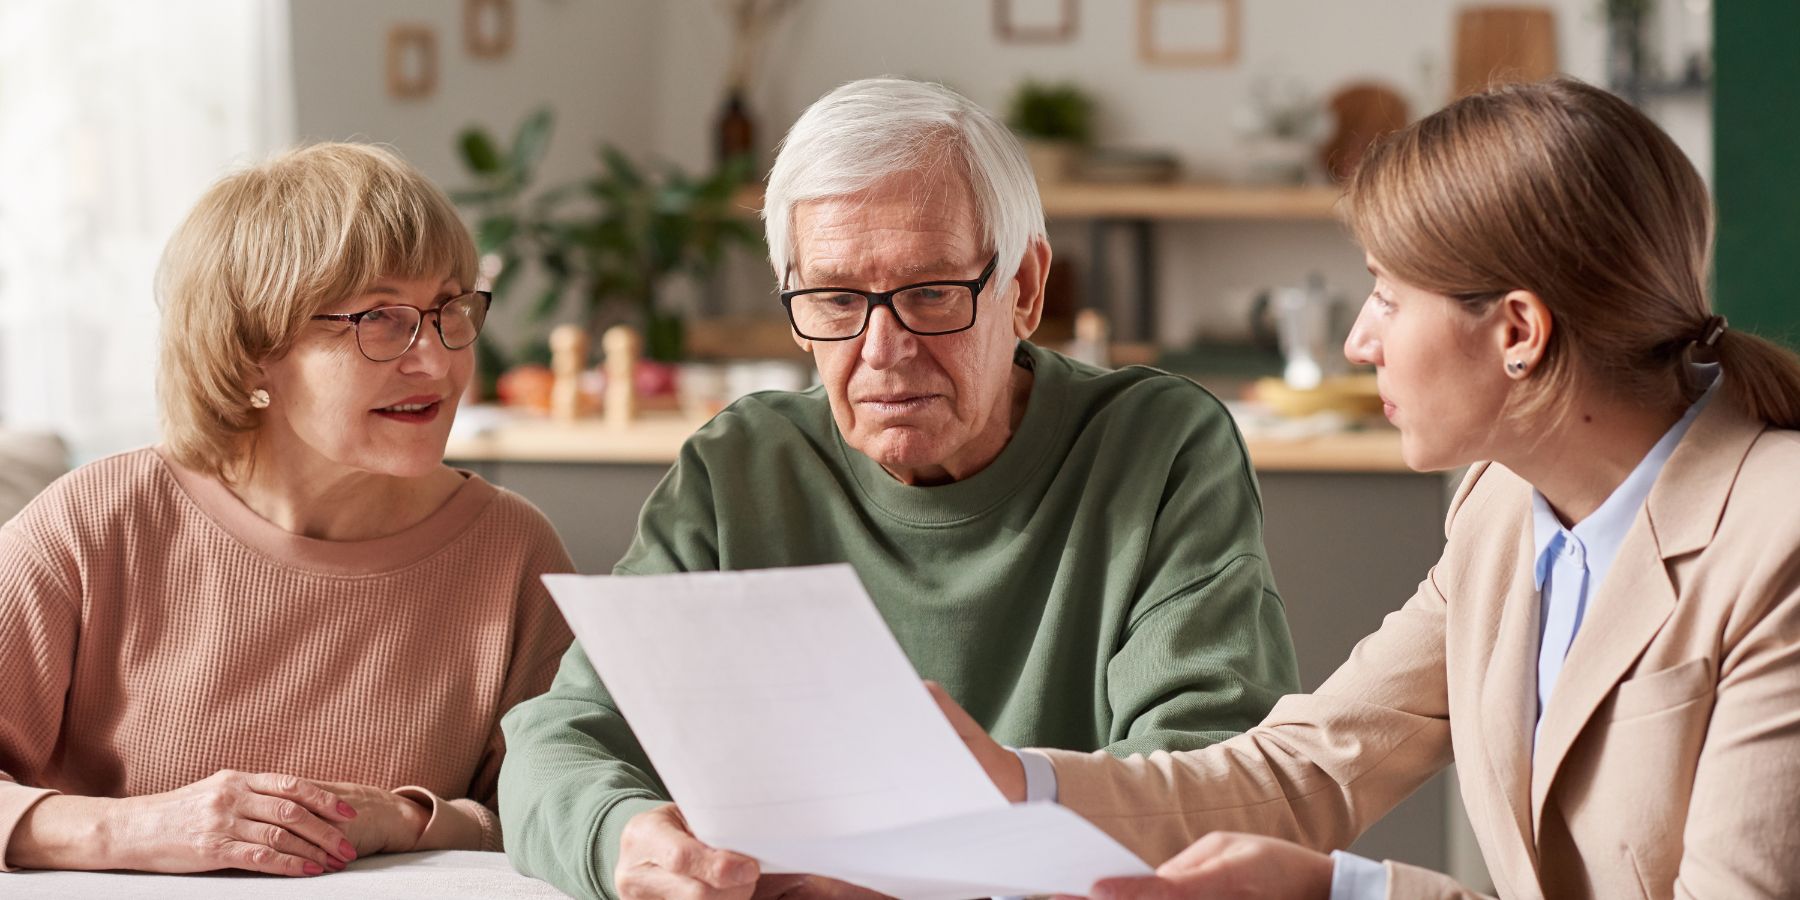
pixel 388 418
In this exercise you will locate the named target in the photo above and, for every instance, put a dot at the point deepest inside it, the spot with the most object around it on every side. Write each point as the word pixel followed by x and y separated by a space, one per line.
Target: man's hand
pixel 660 858
pixel 1001 764
pixel 1230 866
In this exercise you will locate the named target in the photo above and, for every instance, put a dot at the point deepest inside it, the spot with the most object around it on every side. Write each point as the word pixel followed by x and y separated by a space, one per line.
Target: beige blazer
pixel 1669 761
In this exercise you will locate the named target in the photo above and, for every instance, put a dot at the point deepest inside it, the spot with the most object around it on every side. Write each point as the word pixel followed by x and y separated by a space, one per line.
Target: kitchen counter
pixel 656 438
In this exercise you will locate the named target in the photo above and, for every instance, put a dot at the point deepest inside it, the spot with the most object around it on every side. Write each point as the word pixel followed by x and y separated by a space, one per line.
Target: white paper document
pixel 788 725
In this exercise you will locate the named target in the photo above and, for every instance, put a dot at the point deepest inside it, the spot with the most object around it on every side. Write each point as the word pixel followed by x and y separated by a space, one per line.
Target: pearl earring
pixel 259 399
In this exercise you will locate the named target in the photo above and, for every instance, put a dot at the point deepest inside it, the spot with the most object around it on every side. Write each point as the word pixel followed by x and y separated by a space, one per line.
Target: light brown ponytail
pixel 1761 377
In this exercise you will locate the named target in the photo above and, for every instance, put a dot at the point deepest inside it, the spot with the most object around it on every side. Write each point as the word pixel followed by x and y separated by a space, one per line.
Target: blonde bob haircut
pixel 266 249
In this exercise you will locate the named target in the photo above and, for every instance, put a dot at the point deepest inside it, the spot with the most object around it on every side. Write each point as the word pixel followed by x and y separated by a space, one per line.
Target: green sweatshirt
pixel 1101 585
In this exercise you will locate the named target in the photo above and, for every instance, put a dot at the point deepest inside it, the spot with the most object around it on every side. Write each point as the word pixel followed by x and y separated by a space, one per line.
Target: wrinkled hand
pixel 1001 764
pixel 1230 866
pixel 660 858
pixel 385 823
pixel 278 824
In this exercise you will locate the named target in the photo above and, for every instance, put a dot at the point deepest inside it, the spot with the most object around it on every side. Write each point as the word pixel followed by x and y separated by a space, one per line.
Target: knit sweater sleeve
pixel 540 638
pixel 574 773
pixel 40 624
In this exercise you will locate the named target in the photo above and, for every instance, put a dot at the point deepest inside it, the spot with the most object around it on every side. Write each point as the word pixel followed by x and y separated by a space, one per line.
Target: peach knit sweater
pixel 154 630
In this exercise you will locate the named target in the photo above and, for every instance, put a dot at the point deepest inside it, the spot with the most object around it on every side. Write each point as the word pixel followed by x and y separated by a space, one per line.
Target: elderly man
pixel 1074 554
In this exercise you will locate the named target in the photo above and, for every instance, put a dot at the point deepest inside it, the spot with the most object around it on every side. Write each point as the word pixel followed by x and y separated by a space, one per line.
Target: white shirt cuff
pixel 1357 878
pixel 1040 776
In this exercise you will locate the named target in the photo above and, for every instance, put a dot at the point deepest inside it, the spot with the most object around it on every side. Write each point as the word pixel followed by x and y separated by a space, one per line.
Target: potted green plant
pixel 1056 124
pixel 617 236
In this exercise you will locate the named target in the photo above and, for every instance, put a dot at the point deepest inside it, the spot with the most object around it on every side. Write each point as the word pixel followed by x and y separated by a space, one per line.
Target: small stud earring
pixel 259 399
pixel 1516 367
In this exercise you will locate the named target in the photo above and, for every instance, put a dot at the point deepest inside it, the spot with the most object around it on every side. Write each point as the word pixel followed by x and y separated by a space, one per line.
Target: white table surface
pixel 446 874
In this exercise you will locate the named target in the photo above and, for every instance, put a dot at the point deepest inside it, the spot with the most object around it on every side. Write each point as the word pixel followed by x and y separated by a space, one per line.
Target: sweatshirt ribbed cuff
pixel 612 828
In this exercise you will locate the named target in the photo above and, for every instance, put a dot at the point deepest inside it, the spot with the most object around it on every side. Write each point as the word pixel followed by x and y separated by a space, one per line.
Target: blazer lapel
pixel 1628 610
pixel 1637 598
pixel 1509 696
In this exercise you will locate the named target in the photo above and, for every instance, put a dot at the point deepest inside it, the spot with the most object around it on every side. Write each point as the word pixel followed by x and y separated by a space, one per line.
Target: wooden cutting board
pixel 1364 111
pixel 1502 43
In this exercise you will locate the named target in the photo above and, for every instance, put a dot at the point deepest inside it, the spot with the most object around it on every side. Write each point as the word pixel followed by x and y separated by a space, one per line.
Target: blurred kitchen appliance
pixel 1309 326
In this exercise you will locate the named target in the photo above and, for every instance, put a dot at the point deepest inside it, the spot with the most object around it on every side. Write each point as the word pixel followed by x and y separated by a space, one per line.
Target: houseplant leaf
pixel 478 151
pixel 530 143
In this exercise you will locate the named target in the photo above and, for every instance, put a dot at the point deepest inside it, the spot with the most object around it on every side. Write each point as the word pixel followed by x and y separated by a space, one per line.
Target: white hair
pixel 866 131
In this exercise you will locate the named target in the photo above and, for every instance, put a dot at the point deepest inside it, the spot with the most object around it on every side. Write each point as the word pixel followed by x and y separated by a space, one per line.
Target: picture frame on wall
pixel 411 62
pixel 488 28
pixel 1190 33
pixel 1034 21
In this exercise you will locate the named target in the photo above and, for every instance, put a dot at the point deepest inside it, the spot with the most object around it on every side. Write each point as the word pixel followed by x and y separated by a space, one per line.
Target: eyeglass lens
pixel 388 332
pixel 927 309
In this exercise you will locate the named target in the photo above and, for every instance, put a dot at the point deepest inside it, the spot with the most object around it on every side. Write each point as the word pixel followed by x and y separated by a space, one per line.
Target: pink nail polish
pixel 346 851
pixel 346 810
pixel 313 868
pixel 336 865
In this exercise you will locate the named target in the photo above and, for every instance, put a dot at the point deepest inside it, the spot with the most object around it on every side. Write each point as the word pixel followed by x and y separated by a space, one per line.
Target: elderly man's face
pixel 928 409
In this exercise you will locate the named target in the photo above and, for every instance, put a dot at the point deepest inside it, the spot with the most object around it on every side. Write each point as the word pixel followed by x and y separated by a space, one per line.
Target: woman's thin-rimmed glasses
pixel 387 332
pixel 929 308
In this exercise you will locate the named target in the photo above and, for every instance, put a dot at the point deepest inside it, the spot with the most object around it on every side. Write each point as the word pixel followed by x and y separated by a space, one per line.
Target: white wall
pixel 1205 270
pixel 585 59
pixel 648 75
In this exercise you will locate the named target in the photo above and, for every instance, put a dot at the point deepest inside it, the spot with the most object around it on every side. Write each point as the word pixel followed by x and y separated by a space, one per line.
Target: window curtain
pixel 114 116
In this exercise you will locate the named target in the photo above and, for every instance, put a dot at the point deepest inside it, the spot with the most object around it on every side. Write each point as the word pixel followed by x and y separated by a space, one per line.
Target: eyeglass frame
pixel 874 299
pixel 437 323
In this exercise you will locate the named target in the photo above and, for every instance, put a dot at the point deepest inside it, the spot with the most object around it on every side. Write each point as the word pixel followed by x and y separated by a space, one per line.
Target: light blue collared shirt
pixel 1572 562
pixel 1570 565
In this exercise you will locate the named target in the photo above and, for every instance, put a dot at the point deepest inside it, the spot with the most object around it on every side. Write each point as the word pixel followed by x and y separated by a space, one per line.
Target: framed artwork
pixel 1188 32
pixel 1034 21
pixel 488 28
pixel 411 61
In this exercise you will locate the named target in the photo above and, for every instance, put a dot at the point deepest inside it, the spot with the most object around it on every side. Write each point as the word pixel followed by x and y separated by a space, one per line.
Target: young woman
pixel 283 638
pixel 1609 647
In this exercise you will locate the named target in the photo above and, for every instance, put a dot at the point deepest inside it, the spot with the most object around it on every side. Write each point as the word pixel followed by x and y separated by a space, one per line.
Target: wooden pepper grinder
pixel 621 346
pixel 568 356
pixel 1092 335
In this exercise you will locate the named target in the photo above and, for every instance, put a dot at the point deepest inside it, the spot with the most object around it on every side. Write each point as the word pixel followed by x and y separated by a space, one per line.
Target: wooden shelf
pixel 1179 201
pixel 1186 201
pixel 656 438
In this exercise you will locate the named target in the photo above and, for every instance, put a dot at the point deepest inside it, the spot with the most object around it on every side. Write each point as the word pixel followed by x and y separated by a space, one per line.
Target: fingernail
pixel 346 851
pixel 313 868
pixel 346 810
pixel 334 864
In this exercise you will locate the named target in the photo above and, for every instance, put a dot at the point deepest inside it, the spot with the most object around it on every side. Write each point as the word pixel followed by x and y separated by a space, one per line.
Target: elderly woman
pixel 282 639
pixel 1607 648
